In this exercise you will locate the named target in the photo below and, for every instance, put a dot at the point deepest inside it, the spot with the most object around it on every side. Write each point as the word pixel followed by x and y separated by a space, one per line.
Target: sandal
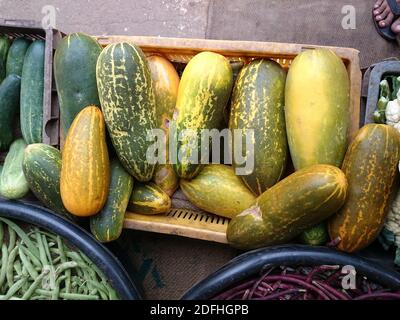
pixel 387 32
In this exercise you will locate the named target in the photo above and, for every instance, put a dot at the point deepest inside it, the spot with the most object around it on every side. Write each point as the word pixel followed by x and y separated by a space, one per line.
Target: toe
pixel 378 9
pixel 396 26
pixel 383 15
pixel 386 22
pixel 378 4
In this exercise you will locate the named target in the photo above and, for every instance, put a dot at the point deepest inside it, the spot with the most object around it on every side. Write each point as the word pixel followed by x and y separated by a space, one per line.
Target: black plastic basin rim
pixel 251 263
pixel 79 238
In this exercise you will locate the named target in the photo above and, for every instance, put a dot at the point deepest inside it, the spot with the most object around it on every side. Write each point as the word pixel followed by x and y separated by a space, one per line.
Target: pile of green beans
pixel 38 265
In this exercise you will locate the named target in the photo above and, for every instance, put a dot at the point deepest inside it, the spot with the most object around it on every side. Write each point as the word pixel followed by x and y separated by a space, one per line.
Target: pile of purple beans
pixel 307 283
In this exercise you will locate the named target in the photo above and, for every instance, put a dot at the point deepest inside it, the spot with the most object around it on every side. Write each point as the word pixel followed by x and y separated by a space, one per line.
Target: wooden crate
pixel 184 220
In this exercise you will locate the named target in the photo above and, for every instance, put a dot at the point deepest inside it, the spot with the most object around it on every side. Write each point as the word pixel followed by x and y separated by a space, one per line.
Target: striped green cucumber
pixel 32 89
pixel 148 198
pixel 75 74
pixel 258 105
pixel 371 168
pixel 42 169
pixel 203 94
pixel 16 56
pixel 4 46
pixel 107 225
pixel 9 106
pixel 218 190
pixel 13 184
pixel 301 200
pixel 128 103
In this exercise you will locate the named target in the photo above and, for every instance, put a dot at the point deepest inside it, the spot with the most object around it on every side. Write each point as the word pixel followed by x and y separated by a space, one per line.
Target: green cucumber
pixel 9 105
pixel 128 104
pixel 258 105
pixel 16 56
pixel 13 184
pixel 32 87
pixel 203 94
pixel 75 74
pixel 148 198
pixel 107 225
pixel 42 169
pixel 4 46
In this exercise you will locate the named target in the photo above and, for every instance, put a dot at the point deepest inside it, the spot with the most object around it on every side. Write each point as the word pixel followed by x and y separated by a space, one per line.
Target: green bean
pixel 11 238
pixel 56 292
pixel 42 253
pixel 99 287
pixel 4 259
pixel 112 294
pixel 66 265
pixel 38 298
pixel 14 288
pixel 25 272
pixel 17 268
pixel 68 296
pixel 34 285
pixel 63 260
pixel 1 234
pixel 36 262
pixel 10 267
pixel 24 237
pixel 46 249
pixel 27 264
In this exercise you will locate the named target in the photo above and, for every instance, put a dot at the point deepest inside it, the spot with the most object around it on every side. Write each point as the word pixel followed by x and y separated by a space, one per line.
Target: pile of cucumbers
pixel 21 107
pixel 309 179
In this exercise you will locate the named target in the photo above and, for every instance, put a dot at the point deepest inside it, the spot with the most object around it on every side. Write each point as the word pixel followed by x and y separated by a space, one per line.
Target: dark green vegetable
pixel 42 169
pixel 4 46
pixel 9 105
pixel 32 87
pixel 16 55
pixel 107 225
pixel 316 235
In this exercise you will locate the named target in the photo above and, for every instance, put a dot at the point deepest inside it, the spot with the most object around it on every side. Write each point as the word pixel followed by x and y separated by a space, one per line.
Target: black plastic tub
pixel 79 238
pixel 252 263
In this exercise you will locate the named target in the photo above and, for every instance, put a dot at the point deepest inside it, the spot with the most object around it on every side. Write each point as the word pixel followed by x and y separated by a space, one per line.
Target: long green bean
pixel 4 259
pixel 10 267
pixel 11 239
pixel 1 234
pixel 27 264
pixel 34 285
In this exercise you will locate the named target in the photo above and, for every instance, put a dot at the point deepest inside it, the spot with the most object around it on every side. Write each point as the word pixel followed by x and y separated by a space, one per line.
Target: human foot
pixel 396 26
pixel 384 15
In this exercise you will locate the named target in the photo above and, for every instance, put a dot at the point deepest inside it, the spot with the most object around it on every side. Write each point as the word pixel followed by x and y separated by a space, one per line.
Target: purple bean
pixel 318 269
pixel 334 292
pixel 225 294
pixel 289 278
pixel 279 294
pixel 377 295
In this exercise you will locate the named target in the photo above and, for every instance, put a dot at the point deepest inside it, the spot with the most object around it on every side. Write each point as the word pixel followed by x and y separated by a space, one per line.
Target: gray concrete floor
pixel 168 18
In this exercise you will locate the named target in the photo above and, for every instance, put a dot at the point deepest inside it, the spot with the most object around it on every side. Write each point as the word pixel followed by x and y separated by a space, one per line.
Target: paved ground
pixel 173 18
